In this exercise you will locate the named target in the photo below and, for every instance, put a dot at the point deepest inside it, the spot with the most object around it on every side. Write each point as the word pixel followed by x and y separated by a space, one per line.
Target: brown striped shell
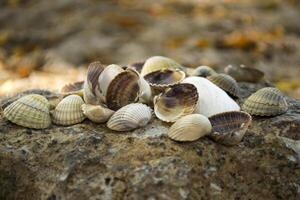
pixel 155 63
pixel 245 74
pixel 266 102
pixel 225 82
pixel 229 128
pixel 203 71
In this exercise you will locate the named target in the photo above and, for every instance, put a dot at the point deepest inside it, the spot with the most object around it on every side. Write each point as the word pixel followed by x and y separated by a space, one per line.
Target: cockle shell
pixel 266 102
pixel 145 95
pixel 225 82
pixel 177 101
pixel 31 111
pixel 73 88
pixel 203 71
pixel 229 128
pixel 190 128
pixel 243 73
pixel 137 66
pixel 68 111
pixel 157 63
pixel 130 117
pixel 212 99
pixel 97 113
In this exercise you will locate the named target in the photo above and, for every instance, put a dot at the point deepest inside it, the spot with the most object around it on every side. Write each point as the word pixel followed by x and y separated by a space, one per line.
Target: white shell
pixel 190 128
pixel 145 91
pixel 97 113
pixel 212 99
pixel 155 63
pixel 130 117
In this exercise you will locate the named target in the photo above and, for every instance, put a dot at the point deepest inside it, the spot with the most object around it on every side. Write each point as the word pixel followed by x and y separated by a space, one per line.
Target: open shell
pixel 203 71
pixel 68 111
pixel 130 117
pixel 190 128
pixel 266 102
pixel 31 111
pixel 225 82
pixel 229 128
pixel 177 101
pixel 73 88
pixel 157 63
pixel 96 113
pixel 245 74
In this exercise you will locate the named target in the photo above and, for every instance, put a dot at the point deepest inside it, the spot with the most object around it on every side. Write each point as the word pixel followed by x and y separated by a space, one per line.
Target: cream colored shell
pixel 96 113
pixel 157 63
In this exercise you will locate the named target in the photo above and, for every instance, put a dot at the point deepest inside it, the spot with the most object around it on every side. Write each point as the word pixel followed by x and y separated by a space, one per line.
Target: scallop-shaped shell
pixel 229 128
pixel 130 117
pixel 203 71
pixel 31 111
pixel 177 101
pixel 73 88
pixel 245 74
pixel 226 83
pixel 156 63
pixel 190 128
pixel 266 102
pixel 68 111
pixel 97 113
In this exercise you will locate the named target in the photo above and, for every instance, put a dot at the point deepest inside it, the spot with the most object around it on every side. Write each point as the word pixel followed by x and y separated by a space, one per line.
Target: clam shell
pixel 31 111
pixel 190 128
pixel 266 102
pixel 203 71
pixel 177 101
pixel 225 82
pixel 73 88
pixel 145 91
pixel 229 128
pixel 245 74
pixel 130 117
pixel 96 113
pixel 68 111
pixel 156 63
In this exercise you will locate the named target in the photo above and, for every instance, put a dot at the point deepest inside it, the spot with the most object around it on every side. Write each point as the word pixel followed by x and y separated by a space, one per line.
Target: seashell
pixel 177 101
pixel 225 82
pixel 68 111
pixel 145 91
pixel 245 74
pixel 212 99
pixel 130 117
pixel 203 71
pixel 96 113
pixel 137 66
pixel 229 128
pixel 156 63
pixel 190 128
pixel 73 88
pixel 31 111
pixel 266 102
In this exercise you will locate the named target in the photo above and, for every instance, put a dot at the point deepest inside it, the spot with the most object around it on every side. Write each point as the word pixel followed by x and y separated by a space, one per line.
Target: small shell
pixel 225 82
pixel 229 128
pixel 130 117
pixel 30 111
pixel 203 71
pixel 245 74
pixel 157 63
pixel 177 101
pixel 266 102
pixel 137 66
pixel 96 113
pixel 73 88
pixel 68 111
pixel 145 91
pixel 190 128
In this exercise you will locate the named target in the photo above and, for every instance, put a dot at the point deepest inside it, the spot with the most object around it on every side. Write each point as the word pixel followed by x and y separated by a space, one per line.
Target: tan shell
pixel 96 113
pixel 157 63
pixel 68 111
pixel 225 82
pixel 229 128
pixel 73 88
pixel 31 111
pixel 145 95
pixel 130 117
pixel 190 128
pixel 176 102
pixel 266 102
pixel 203 71
pixel 245 74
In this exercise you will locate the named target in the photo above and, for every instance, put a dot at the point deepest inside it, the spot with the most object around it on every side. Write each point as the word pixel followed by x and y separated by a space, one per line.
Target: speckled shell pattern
pixel 266 102
pixel 31 111
pixel 225 82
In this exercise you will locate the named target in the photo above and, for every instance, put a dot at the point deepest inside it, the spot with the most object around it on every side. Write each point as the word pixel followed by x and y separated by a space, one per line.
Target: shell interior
pixel 164 77
pixel 156 63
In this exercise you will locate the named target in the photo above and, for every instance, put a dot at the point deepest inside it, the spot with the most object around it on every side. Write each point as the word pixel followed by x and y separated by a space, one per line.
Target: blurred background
pixel 46 44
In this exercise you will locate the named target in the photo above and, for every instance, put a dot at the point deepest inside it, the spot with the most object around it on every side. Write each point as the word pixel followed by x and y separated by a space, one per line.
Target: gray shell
pixel 225 82
pixel 203 71
pixel 245 74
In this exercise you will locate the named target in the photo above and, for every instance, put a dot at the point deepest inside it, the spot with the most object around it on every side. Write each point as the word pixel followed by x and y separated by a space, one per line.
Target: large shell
pixel 266 102
pixel 97 113
pixel 229 128
pixel 130 117
pixel 212 99
pixel 30 111
pixel 203 71
pixel 243 73
pixel 73 88
pixel 226 83
pixel 177 101
pixel 157 63
pixel 190 128
pixel 68 111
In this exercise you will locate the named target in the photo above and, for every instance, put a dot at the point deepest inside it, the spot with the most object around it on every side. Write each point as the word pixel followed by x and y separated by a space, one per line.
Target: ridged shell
pixel 73 88
pixel 176 102
pixel 130 117
pixel 31 111
pixel 157 63
pixel 190 128
pixel 97 113
pixel 245 74
pixel 225 82
pixel 203 71
pixel 68 111
pixel 229 128
pixel 266 102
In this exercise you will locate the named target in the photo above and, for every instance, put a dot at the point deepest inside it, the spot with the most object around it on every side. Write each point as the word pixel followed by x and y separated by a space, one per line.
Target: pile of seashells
pixel 124 98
